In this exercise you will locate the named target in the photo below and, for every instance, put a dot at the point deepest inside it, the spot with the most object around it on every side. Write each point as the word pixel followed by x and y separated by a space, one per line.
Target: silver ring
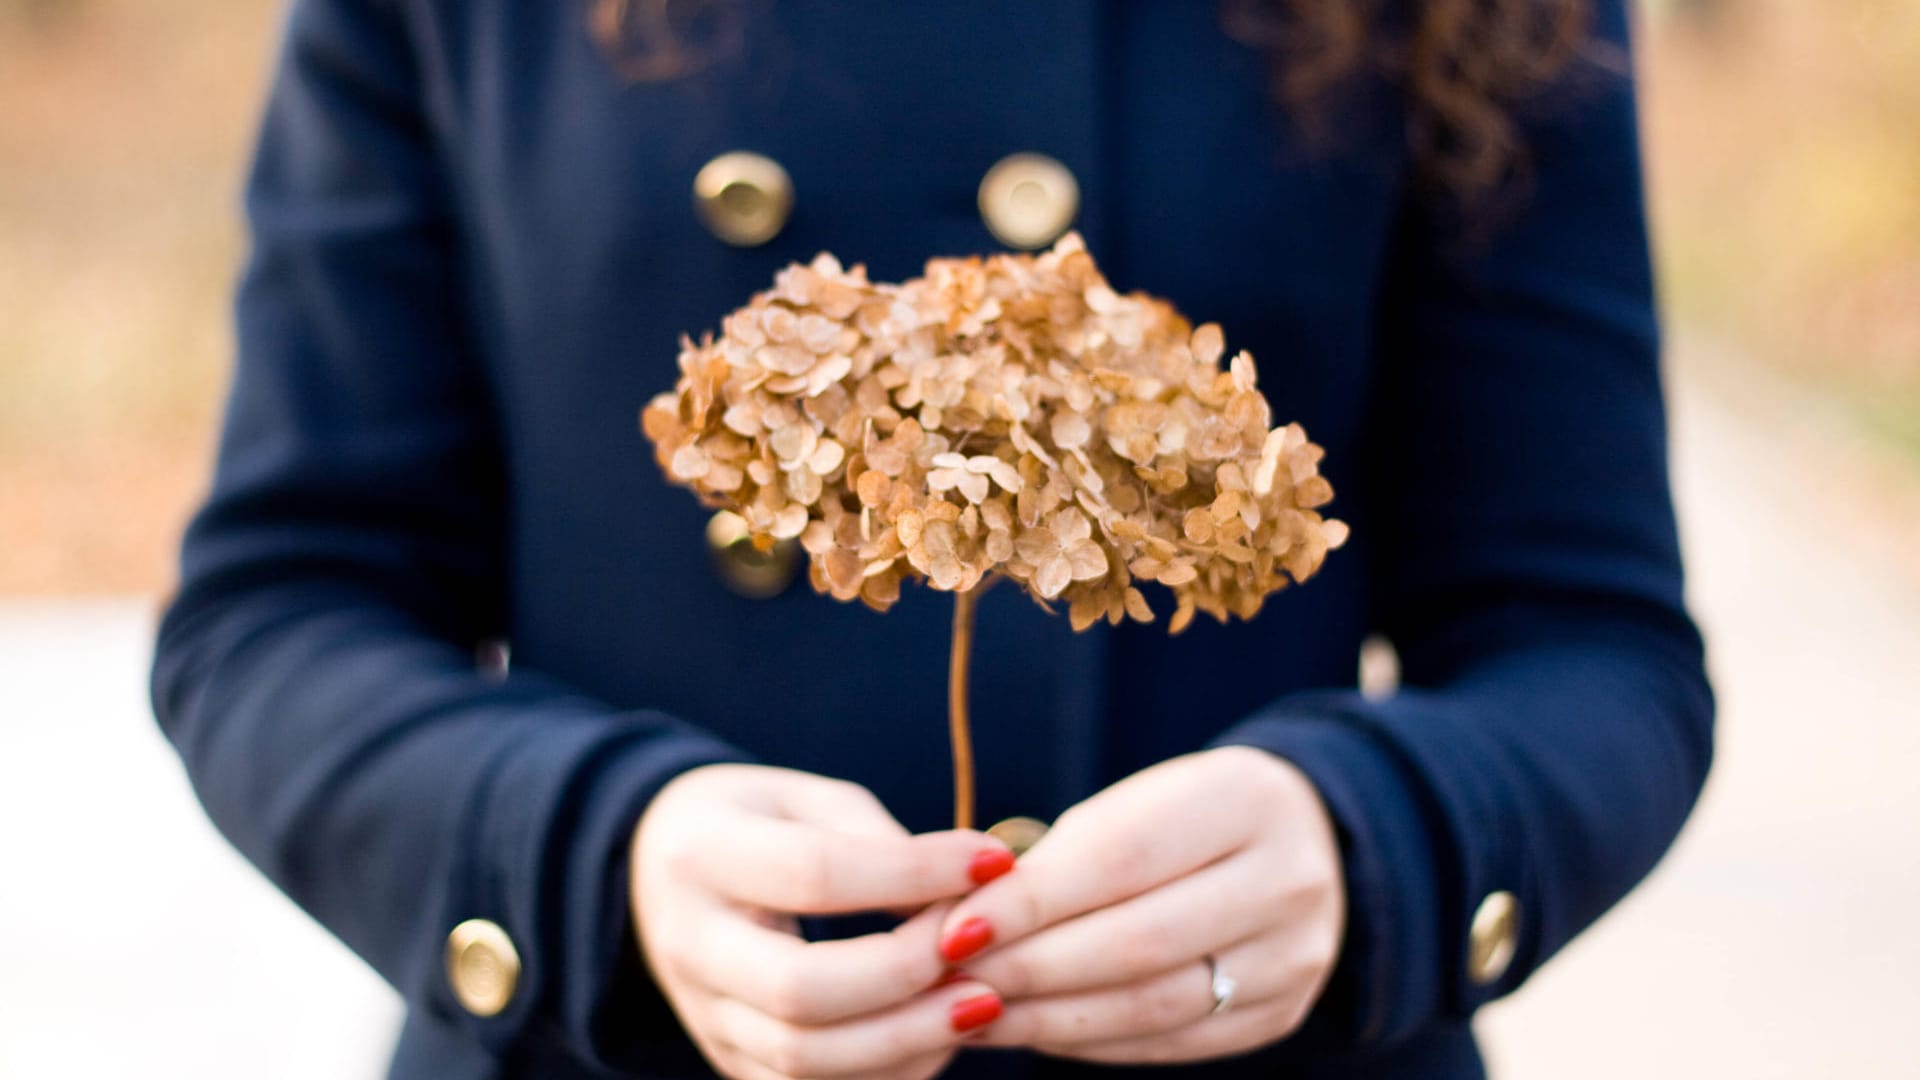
pixel 1222 984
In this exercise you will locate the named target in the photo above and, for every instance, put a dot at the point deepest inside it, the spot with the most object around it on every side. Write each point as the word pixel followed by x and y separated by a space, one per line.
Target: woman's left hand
pixel 1098 941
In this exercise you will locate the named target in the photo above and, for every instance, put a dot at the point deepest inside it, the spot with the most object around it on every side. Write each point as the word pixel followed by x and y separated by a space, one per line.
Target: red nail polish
pixel 989 864
pixel 974 1012
pixel 966 939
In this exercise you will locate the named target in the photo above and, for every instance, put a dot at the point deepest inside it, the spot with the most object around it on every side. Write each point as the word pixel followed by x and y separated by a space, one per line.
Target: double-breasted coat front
pixel 476 244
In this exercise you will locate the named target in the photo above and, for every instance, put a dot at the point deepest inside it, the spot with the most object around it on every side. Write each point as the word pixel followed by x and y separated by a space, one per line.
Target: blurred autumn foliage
pixel 123 127
pixel 1782 140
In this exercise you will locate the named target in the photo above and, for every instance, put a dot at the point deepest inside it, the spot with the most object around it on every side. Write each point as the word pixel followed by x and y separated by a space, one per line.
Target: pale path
pixel 1779 938
pixel 134 943
pixel 1777 941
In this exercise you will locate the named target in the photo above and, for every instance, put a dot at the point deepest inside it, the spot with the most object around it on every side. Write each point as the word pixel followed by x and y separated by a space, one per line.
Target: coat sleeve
pixel 1553 726
pixel 316 669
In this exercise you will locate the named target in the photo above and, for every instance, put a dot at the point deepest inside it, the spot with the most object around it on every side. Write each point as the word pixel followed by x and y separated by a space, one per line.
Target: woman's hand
pixel 1099 944
pixel 727 855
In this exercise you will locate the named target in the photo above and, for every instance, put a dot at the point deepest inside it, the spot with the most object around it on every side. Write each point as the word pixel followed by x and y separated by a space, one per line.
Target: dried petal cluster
pixel 1009 415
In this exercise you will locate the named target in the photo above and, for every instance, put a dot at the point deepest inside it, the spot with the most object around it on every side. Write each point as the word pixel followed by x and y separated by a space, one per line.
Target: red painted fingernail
pixel 966 939
pixel 974 1012
pixel 989 864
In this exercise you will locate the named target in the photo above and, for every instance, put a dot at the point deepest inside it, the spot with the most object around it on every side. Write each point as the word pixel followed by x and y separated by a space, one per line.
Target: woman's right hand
pixel 727 856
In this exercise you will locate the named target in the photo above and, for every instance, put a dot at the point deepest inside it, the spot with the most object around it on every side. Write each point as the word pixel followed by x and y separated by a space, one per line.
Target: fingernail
pixel 966 939
pixel 974 1012
pixel 989 864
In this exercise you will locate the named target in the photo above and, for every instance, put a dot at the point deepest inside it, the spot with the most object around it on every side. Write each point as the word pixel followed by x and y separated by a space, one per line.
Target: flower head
pixel 1011 415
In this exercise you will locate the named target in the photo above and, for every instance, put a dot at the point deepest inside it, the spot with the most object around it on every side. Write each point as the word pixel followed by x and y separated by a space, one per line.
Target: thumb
pixel 845 808
pixel 918 869
pixel 837 806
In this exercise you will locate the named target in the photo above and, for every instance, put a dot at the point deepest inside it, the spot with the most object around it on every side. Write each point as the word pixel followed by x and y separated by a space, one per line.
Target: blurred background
pixel 1783 143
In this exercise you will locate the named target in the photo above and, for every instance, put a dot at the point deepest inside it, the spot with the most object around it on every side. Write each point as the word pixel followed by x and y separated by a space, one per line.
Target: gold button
pixel 744 566
pixel 743 198
pixel 1028 200
pixel 482 966
pixel 1492 938
pixel 1018 833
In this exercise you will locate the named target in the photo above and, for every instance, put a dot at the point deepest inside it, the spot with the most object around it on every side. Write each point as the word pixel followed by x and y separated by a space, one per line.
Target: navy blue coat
pixel 474 250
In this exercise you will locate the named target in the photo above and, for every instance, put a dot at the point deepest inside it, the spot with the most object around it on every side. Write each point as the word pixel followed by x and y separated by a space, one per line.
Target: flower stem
pixel 957 728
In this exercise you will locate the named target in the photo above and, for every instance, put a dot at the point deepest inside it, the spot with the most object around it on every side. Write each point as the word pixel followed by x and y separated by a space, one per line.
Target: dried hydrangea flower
pixel 1011 416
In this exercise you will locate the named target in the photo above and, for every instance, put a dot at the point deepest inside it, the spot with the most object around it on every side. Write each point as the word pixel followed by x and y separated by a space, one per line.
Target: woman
pixel 474 251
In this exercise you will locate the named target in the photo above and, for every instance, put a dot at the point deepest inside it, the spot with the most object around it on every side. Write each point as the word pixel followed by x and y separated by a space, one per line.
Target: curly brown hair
pixel 1463 65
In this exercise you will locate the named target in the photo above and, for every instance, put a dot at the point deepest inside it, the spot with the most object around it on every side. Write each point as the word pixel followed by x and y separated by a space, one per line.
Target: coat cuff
pixel 1389 976
pixel 546 857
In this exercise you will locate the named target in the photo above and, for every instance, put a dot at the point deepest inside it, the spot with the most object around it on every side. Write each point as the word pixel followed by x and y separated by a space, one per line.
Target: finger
pixel 1146 830
pixel 1277 982
pixel 849 810
pixel 1158 931
pixel 920 1068
pixel 800 868
pixel 1163 1002
pixel 1263 967
pixel 737 1065
pixel 812 983
pixel 692 1006
pixel 1229 1033
pixel 928 1025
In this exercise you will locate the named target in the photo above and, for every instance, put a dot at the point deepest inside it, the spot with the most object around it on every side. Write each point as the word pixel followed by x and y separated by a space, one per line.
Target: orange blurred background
pixel 1783 148
pixel 1775 942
